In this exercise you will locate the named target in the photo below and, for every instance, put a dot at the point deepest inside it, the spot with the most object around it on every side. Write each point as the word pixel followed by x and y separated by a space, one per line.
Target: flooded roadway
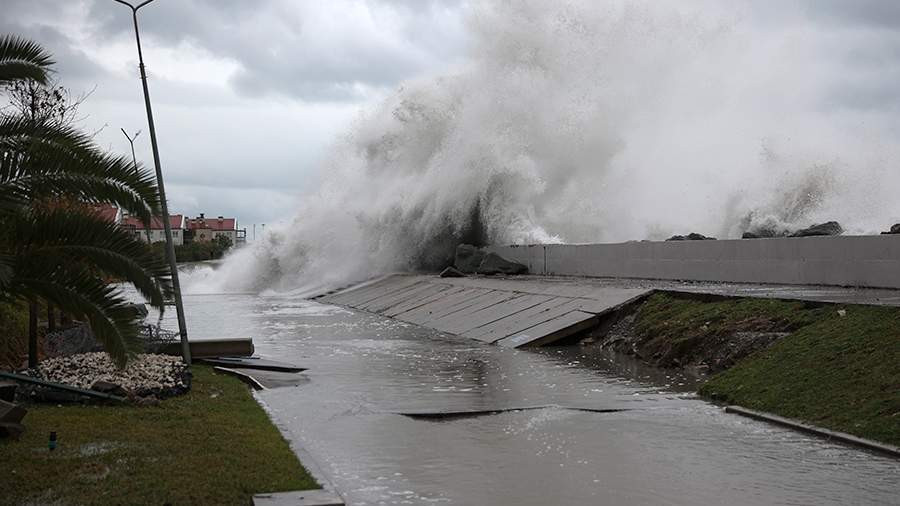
pixel 665 447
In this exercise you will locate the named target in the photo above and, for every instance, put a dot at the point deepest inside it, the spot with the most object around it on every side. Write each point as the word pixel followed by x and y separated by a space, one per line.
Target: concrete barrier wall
pixel 864 261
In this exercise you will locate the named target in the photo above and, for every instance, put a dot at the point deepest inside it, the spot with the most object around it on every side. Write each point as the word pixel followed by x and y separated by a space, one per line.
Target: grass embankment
pixel 839 367
pixel 214 445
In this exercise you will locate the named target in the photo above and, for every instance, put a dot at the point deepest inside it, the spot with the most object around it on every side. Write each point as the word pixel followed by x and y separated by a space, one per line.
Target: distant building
pixel 108 213
pixel 156 232
pixel 203 229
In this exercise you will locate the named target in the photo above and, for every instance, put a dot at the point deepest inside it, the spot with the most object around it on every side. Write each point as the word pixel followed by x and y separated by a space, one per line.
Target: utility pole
pixel 164 206
pixel 134 160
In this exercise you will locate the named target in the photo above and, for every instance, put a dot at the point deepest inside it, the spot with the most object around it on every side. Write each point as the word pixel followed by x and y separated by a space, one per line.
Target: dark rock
pixel 761 233
pixel 828 228
pixel 493 263
pixel 468 258
pixel 895 229
pixel 7 391
pixel 451 272
pixel 108 388
pixel 38 393
pixel 11 419
pixel 693 236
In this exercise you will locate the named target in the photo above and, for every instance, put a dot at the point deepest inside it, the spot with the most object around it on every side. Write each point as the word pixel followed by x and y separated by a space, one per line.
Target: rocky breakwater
pixel 895 229
pixel 820 229
pixel 472 260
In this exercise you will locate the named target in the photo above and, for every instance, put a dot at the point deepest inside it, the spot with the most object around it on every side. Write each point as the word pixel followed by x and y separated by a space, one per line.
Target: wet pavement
pixel 663 447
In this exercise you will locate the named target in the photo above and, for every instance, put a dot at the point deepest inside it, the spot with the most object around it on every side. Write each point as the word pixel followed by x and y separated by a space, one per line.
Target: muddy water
pixel 665 447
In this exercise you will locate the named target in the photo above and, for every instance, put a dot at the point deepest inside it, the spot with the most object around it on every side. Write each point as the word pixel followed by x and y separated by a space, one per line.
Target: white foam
pixel 585 121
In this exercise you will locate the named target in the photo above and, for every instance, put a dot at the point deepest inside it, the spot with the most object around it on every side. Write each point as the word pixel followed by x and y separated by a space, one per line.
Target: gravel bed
pixel 146 375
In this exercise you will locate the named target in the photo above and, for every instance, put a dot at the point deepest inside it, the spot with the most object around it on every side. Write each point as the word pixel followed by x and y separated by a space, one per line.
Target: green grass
pixel 842 373
pixel 838 372
pixel 214 445
pixel 673 326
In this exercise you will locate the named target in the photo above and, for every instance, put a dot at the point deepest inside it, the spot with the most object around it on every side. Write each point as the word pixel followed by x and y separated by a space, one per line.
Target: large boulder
pixel 895 229
pixel 693 236
pixel 451 272
pixel 468 258
pixel 762 233
pixel 472 260
pixel 828 228
pixel 493 263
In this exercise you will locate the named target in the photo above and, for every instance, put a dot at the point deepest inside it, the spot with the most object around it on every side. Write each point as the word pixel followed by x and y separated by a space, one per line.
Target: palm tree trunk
pixel 32 334
pixel 51 318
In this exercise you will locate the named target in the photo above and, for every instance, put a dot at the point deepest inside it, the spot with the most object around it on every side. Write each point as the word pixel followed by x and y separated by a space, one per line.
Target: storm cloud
pixel 249 97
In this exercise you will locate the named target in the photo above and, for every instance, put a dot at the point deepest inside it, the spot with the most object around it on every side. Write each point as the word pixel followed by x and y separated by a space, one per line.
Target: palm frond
pixel 52 160
pixel 82 237
pixel 22 59
pixel 113 320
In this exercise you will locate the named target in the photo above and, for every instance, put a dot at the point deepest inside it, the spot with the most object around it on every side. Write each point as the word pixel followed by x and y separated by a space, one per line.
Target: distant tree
pixel 43 103
pixel 223 242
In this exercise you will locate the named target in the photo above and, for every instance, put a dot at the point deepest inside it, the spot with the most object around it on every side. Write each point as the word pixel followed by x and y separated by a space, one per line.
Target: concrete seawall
pixel 858 261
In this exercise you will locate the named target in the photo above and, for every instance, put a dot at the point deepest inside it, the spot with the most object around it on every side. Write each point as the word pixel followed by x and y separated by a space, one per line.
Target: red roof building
pixel 156 223
pixel 107 212
pixel 206 229
pixel 156 232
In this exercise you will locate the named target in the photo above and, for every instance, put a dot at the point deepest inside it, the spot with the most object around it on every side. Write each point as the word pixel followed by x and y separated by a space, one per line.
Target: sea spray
pixel 582 121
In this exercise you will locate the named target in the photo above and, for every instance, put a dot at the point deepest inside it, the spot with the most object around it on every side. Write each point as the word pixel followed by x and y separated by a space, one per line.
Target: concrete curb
pixel 326 496
pixel 818 431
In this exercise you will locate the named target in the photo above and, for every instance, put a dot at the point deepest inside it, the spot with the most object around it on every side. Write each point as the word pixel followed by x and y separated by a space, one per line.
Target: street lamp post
pixel 164 207
pixel 134 161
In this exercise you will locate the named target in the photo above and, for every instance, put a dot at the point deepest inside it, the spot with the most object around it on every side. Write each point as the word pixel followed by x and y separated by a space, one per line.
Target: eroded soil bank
pixel 837 366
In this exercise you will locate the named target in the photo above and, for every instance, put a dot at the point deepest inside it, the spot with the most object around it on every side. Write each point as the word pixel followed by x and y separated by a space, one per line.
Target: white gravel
pixel 146 374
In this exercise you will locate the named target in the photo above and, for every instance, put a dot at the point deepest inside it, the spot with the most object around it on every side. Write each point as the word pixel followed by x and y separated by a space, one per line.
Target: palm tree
pixel 22 59
pixel 52 246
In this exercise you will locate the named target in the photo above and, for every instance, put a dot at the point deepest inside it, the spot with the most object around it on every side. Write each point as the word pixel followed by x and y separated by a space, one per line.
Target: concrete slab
pixel 441 307
pixel 439 291
pixel 459 317
pixel 488 309
pixel 299 498
pixel 346 295
pixel 553 308
pixel 380 304
pixel 553 330
pixel 252 363
pixel 380 289
pixel 495 312
pixel 229 346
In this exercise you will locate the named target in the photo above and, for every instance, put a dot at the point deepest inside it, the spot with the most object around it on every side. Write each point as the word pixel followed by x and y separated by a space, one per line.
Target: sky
pixel 250 96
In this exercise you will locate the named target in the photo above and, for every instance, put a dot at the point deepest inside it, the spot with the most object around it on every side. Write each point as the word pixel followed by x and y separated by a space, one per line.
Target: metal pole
pixel 134 160
pixel 164 207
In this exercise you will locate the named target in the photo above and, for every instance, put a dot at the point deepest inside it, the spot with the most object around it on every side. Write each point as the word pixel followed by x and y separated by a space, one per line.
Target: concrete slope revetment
pixel 499 311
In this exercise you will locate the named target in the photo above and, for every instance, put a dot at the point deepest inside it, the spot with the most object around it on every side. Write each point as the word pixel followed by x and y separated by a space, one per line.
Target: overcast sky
pixel 249 94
